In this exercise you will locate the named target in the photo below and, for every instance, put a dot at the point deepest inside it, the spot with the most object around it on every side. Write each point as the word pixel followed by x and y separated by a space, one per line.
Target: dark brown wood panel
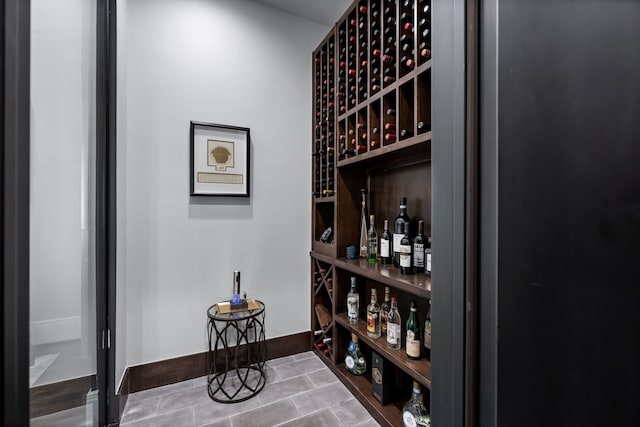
pixel 59 396
pixel 170 371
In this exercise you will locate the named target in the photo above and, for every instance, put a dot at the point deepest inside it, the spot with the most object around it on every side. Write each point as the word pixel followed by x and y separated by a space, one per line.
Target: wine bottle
pixel 353 302
pixel 372 238
pixel 373 316
pixel 419 248
pixel 405 133
pixel 406 255
pixel 384 311
pixel 354 360
pixel 394 328
pixel 427 331
pixel 398 230
pixel 414 413
pixel 363 223
pixel 385 245
pixel 412 346
pixel 427 257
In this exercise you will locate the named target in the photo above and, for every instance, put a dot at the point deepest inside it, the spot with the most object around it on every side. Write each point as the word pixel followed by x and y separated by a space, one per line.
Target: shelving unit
pixel 372 130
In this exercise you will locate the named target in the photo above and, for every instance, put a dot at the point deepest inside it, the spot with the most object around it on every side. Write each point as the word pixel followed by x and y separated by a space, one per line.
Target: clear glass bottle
pixel 372 240
pixel 427 331
pixel 405 250
pixel 363 226
pixel 394 326
pixel 398 230
pixel 353 302
pixel 354 360
pixel 384 311
pixel 419 249
pixel 412 346
pixel 414 413
pixel 373 316
pixel 386 251
pixel 427 257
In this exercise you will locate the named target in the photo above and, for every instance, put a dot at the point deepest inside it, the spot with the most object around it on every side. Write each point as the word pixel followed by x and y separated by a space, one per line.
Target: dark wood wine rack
pixel 372 130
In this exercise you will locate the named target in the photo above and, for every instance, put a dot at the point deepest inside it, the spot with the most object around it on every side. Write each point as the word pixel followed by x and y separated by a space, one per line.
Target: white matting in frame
pixel 219 160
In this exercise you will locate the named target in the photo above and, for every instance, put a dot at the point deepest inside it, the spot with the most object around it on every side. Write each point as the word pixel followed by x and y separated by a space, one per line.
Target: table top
pixel 213 312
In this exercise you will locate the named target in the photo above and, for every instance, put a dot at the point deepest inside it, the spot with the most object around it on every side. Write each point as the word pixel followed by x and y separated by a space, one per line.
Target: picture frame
pixel 220 160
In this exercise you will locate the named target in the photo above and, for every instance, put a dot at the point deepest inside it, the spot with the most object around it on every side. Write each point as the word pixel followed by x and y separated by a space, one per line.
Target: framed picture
pixel 219 160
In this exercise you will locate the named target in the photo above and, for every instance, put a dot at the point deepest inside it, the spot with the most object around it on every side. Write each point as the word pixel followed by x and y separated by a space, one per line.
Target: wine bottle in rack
pixel 353 302
pixel 372 237
pixel 363 224
pixel 398 230
pixel 384 311
pixel 406 251
pixel 419 244
pixel 427 331
pixel 386 251
pixel 427 256
pixel 394 326
pixel 373 316
pixel 354 360
pixel 414 413
pixel 412 345
pixel 406 133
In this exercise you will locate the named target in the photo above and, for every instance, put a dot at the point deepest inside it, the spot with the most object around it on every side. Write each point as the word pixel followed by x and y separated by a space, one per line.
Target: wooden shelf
pixel 419 370
pixel 328 199
pixel 417 148
pixel 326 250
pixel 415 284
pixel 360 386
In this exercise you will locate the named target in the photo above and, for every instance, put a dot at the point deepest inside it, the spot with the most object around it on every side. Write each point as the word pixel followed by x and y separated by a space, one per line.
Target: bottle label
pixel 405 256
pixel 408 419
pixel 396 242
pixel 418 254
pixel 371 321
pixel 393 333
pixel 428 266
pixel 349 361
pixel 352 308
pixel 413 344
pixel 384 248
pixel 427 334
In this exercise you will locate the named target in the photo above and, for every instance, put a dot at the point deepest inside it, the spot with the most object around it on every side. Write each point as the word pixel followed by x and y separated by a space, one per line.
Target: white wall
pixel 233 62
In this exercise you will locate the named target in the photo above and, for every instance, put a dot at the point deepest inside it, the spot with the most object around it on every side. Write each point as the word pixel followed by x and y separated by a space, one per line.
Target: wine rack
pixel 380 131
pixel 322 315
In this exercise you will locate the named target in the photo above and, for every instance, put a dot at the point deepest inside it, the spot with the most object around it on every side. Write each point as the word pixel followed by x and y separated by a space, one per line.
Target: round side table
pixel 237 352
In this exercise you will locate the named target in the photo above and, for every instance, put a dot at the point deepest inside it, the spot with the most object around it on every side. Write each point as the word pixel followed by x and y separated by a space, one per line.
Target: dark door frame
pixel 14 45
pixel 15 42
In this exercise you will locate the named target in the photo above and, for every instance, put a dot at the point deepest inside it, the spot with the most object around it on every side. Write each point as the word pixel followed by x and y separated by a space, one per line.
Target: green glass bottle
pixel 412 346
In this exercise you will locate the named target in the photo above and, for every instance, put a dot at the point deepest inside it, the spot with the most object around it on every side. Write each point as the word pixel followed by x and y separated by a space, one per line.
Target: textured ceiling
pixel 323 11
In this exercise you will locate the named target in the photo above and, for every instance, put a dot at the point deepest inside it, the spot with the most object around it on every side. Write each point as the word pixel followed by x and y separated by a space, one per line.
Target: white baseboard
pixel 54 330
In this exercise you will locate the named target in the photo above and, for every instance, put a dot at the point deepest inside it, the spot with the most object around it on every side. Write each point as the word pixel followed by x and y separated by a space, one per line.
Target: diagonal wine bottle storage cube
pixel 372 131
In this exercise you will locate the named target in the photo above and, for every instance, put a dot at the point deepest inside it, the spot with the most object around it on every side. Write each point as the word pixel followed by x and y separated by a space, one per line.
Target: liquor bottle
pixel 354 360
pixel 385 245
pixel 394 328
pixel 427 331
pixel 414 413
pixel 353 302
pixel 363 223
pixel 398 230
pixel 419 248
pixel 384 312
pixel 412 345
pixel 405 252
pixel 372 236
pixel 427 256
pixel 373 316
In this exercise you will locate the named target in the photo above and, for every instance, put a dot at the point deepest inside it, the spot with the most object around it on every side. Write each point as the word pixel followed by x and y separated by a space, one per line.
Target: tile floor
pixel 300 391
